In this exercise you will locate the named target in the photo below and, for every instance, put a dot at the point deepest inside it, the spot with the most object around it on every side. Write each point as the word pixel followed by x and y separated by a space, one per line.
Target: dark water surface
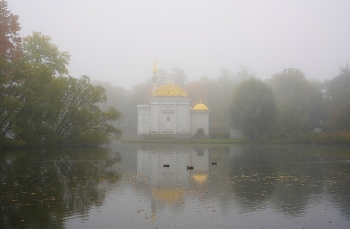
pixel 128 186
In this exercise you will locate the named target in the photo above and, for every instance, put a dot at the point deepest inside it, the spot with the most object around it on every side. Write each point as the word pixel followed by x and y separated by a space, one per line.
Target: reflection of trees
pixel 339 185
pixel 252 179
pixel 310 172
pixel 286 178
pixel 40 188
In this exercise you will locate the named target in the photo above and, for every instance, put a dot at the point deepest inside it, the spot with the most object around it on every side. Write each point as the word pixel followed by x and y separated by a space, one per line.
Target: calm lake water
pixel 149 186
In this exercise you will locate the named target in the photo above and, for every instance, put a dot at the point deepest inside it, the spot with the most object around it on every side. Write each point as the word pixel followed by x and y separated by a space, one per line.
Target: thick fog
pixel 117 41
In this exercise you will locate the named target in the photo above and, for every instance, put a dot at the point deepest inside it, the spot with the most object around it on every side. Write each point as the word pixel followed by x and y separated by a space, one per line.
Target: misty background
pixel 117 41
pixel 210 48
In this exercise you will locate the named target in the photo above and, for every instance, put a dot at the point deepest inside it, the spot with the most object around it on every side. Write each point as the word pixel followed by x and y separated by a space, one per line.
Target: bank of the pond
pixel 331 138
pixel 211 141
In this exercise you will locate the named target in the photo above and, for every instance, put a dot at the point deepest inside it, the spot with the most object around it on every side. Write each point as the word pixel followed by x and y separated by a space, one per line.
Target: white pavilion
pixel 169 114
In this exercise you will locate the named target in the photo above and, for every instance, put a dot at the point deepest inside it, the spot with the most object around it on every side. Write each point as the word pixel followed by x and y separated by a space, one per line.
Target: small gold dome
pixel 171 90
pixel 200 106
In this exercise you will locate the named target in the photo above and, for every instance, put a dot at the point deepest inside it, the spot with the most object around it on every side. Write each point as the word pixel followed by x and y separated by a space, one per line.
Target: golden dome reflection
pixel 169 195
pixel 171 90
pixel 200 178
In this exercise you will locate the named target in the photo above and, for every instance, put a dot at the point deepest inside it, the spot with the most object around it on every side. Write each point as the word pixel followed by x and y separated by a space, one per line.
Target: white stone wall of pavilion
pixel 143 119
pixel 200 119
pixel 169 115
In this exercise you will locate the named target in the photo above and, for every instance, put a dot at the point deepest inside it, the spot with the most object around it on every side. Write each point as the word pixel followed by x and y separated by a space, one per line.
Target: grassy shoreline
pixel 332 138
pixel 211 141
pixel 325 139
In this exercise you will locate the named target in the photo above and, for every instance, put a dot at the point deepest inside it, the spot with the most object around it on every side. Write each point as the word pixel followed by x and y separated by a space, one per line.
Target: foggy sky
pixel 117 41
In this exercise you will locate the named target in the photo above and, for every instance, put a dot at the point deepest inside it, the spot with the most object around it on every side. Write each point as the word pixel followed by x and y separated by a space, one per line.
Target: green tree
pixel 300 103
pixel 41 61
pixel 198 91
pixel 9 37
pixel 163 77
pixel 220 92
pixel 39 50
pixel 11 94
pixel 338 98
pixel 243 73
pixel 253 108
pixel 338 89
pixel 51 109
pixel 12 69
pixel 70 116
pixel 25 90
pixel 121 99
pixel 340 117
pixel 178 77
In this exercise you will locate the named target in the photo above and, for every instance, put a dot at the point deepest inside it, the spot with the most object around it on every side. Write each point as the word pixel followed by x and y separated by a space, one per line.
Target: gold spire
pixel 155 69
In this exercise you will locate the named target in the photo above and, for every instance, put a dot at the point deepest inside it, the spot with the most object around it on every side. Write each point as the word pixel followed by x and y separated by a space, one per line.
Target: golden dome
pixel 200 106
pixel 171 90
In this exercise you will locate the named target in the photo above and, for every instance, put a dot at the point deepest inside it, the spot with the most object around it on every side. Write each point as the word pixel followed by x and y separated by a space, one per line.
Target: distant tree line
pixel 40 104
pixel 285 105
pixel 302 106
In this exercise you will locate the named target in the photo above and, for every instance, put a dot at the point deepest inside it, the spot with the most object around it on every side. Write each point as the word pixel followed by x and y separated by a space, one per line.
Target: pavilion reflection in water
pixel 168 184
